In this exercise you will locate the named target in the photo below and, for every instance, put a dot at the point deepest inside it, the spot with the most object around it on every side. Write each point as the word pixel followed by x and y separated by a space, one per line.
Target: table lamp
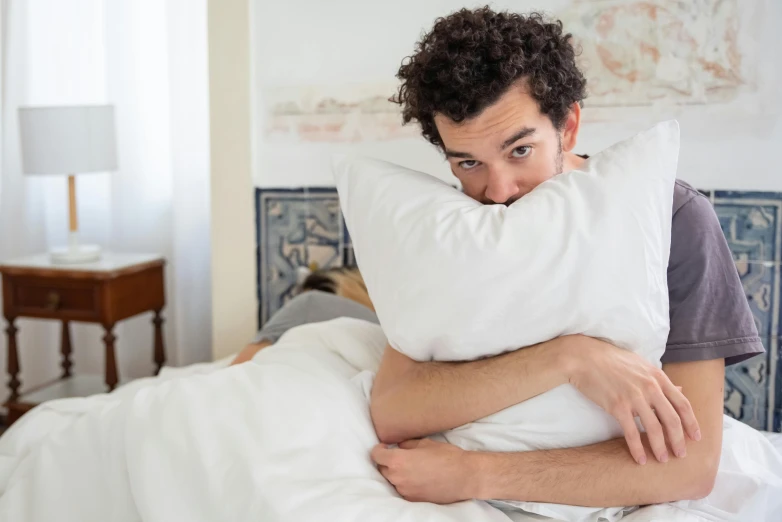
pixel 68 141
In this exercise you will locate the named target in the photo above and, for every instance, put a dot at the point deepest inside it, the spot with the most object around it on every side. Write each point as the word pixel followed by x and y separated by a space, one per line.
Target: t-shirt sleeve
pixel 710 315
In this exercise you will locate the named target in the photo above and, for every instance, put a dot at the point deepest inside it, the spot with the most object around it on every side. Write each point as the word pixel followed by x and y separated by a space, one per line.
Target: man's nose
pixel 501 187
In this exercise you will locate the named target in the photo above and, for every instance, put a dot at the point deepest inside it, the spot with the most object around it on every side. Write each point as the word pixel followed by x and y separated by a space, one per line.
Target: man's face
pixel 507 150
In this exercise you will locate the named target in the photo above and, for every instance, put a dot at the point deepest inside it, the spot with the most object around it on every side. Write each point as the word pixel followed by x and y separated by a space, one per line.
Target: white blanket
pixel 285 437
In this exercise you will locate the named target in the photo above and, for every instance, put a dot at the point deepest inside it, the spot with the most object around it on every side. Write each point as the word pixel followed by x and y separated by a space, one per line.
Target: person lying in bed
pixel 324 295
pixel 500 95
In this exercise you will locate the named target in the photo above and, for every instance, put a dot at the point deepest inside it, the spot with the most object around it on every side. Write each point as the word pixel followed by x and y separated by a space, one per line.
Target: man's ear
pixel 570 127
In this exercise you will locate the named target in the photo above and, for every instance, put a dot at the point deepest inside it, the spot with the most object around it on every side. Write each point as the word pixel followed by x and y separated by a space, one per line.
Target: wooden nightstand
pixel 117 287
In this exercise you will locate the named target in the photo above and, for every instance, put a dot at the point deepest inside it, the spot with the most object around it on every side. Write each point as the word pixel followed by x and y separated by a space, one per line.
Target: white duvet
pixel 285 437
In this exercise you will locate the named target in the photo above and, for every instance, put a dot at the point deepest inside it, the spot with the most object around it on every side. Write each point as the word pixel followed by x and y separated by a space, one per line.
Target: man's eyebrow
pixel 523 133
pixel 455 154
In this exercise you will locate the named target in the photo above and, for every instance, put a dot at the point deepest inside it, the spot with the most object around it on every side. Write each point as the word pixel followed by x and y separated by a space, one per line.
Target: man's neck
pixel 572 162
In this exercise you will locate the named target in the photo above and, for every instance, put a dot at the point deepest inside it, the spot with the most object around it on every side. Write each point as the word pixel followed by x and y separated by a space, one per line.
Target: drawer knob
pixel 53 301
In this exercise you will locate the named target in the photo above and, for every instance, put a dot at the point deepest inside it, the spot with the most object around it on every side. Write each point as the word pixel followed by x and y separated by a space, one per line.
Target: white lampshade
pixel 68 140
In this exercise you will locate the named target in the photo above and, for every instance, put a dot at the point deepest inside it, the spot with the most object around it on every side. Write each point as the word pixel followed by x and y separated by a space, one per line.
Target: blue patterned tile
pixel 349 257
pixel 761 286
pixel 748 393
pixel 751 223
pixel 775 383
pixel 295 228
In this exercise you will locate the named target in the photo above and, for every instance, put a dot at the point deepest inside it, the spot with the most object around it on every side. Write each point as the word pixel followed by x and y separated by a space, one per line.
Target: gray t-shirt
pixel 312 306
pixel 710 315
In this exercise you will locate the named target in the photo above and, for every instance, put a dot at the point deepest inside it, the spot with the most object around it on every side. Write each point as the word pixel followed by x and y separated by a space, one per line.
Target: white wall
pixel 234 305
pixel 357 42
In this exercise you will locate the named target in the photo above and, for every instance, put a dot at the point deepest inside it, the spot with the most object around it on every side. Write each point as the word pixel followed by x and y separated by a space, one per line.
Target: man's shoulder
pixel 694 219
pixel 684 193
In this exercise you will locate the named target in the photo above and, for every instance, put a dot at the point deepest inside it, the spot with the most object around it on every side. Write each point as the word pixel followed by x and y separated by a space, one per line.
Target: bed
pixel 283 437
pixel 207 442
pixel 776 440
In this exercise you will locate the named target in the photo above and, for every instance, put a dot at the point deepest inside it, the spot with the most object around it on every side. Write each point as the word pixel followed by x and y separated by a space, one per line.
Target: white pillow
pixel 585 252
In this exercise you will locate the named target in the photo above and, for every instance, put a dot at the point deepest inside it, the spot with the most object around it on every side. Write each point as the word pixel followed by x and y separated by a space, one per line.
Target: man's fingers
pixel 684 410
pixel 410 444
pixel 386 472
pixel 633 438
pixel 654 431
pixel 672 424
pixel 380 454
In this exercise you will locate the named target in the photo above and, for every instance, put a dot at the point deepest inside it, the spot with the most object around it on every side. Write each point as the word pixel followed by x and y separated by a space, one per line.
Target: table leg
pixel 13 360
pixel 160 351
pixel 111 360
pixel 65 348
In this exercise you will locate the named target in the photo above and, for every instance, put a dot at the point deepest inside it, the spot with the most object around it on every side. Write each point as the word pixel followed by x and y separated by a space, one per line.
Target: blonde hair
pixel 345 282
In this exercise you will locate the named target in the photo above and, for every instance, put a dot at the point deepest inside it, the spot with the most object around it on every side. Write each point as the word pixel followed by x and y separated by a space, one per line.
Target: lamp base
pixel 75 254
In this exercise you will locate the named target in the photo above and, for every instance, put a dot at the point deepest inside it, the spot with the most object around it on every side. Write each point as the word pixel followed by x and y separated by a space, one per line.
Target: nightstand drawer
pixel 59 298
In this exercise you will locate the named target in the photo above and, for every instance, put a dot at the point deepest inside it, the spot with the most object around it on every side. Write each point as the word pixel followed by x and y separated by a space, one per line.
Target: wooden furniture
pixel 116 287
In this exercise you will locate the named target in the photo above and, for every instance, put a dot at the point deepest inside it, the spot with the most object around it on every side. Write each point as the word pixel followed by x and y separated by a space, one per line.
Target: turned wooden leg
pixel 111 360
pixel 160 351
pixel 13 360
pixel 66 350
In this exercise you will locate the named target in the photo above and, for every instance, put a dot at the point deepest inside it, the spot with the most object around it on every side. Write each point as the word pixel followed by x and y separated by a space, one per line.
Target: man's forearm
pixel 600 475
pixel 431 397
pixel 605 474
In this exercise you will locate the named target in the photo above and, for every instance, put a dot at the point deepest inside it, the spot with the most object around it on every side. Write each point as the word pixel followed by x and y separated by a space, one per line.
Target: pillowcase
pixel 585 252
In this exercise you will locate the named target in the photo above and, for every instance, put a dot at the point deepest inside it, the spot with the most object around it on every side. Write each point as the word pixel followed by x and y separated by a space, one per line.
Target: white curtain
pixel 149 59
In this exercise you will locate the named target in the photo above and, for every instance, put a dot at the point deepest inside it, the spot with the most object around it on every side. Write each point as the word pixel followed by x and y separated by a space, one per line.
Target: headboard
pixel 303 226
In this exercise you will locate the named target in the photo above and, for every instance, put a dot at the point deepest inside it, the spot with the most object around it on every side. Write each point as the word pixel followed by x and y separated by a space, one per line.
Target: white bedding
pixel 776 440
pixel 285 437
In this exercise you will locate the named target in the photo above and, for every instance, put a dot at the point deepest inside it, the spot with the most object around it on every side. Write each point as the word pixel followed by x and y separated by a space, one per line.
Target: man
pixel 500 94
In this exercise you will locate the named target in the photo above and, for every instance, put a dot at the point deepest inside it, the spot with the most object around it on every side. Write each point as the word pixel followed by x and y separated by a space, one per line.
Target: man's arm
pixel 605 474
pixel 599 475
pixel 412 399
pixel 415 399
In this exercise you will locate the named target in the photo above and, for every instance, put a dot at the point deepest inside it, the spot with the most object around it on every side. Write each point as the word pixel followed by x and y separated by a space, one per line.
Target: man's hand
pixel 627 386
pixel 426 471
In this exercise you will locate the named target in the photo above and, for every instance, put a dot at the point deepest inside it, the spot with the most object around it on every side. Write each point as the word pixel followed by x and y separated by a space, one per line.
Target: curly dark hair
pixel 470 58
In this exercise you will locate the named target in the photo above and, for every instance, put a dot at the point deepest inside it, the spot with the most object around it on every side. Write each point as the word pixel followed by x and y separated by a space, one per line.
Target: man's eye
pixel 468 164
pixel 521 152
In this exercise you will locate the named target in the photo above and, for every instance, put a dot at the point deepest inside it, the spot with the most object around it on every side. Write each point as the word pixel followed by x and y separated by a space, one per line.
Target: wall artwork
pixel 335 114
pixel 635 53
pixel 645 51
